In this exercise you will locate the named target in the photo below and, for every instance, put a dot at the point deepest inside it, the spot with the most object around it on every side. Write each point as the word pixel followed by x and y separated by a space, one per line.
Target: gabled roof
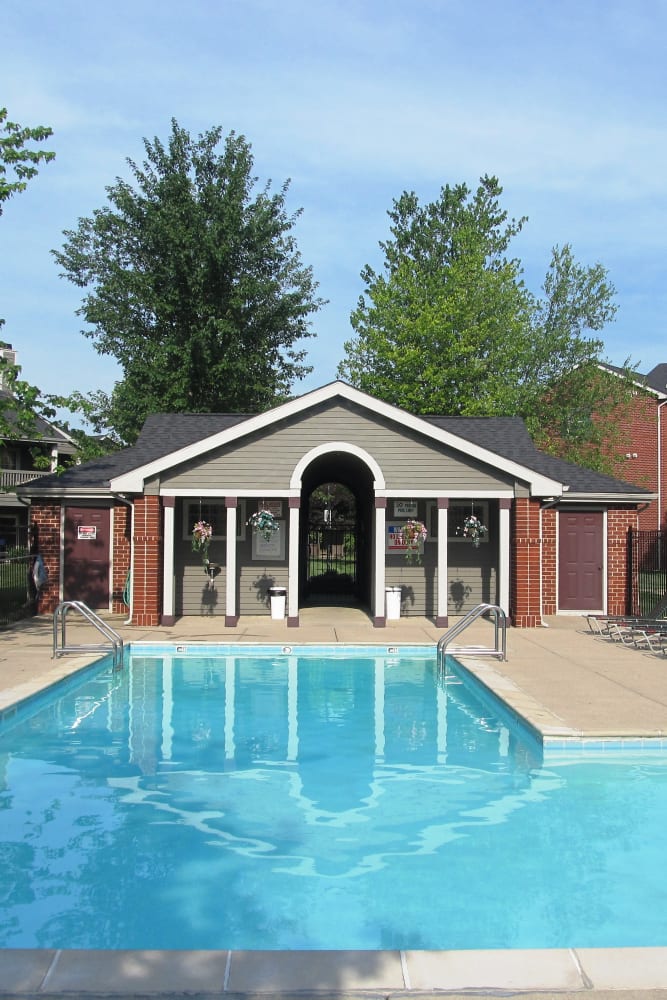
pixel 167 440
pixel 42 431
pixel 132 482
pixel 655 382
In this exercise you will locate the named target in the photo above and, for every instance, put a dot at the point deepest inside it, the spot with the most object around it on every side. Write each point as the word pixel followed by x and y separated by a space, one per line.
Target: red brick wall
pixel 525 581
pixel 618 523
pixel 121 550
pixel 147 569
pixel 45 517
pixel 640 434
pixel 549 561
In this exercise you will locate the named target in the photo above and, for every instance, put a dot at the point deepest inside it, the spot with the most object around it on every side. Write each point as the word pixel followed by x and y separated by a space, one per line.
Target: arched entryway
pixel 336 531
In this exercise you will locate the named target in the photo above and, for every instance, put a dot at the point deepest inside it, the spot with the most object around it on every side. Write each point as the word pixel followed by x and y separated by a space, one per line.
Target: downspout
pixel 660 406
pixel 130 504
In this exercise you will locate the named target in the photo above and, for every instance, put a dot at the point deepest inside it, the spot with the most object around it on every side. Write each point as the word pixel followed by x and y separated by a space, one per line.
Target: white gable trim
pixel 326 449
pixel 133 482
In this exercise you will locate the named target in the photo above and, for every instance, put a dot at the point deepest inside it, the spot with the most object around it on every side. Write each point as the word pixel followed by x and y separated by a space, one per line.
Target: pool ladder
pixel 114 642
pixel 500 635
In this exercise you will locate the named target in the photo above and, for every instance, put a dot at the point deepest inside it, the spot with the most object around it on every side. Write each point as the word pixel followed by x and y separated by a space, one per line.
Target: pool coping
pixel 47 973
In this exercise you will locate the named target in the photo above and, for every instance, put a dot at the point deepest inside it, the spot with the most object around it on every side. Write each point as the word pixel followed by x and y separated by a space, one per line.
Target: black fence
pixel 648 573
pixel 332 559
pixel 17 594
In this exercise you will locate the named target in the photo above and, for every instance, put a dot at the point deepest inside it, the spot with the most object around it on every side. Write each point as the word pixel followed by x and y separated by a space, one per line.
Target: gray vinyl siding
pixel 472 578
pixel 472 575
pixel 267 460
pixel 196 595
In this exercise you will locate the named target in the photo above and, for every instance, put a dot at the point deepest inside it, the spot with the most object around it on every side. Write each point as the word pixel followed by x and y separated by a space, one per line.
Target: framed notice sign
pixel 269 548
pixel 87 532
pixel 405 508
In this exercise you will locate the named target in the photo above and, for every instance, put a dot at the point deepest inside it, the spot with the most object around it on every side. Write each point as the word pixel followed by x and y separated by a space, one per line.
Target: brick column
pixel 45 523
pixel 549 561
pixel 120 554
pixel 525 584
pixel 618 524
pixel 147 568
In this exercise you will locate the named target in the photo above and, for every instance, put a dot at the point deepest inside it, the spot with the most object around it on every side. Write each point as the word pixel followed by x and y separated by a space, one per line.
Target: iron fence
pixel 647 553
pixel 17 593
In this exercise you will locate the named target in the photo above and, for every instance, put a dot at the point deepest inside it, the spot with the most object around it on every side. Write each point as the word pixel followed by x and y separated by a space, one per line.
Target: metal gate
pixel 647 552
pixel 332 558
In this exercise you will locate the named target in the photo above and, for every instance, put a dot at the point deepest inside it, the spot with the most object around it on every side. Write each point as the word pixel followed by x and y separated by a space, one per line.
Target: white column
pixel 168 595
pixel 293 565
pixel 230 563
pixel 504 555
pixel 380 532
pixel 443 568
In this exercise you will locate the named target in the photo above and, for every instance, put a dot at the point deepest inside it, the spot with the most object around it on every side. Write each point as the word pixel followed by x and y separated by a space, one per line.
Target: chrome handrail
pixel 114 640
pixel 500 633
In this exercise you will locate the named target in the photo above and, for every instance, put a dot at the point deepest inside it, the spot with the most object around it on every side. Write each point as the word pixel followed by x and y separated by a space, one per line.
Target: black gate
pixel 332 559
pixel 648 573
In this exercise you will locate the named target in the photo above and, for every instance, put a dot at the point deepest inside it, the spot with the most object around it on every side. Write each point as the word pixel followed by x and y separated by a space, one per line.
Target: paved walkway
pixel 565 682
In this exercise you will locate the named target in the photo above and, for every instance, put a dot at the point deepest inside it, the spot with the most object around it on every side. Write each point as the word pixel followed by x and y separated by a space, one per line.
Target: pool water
pixel 344 801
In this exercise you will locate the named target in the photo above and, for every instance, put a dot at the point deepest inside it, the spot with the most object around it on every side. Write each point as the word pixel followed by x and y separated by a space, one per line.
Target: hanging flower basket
pixel 474 529
pixel 414 535
pixel 201 539
pixel 264 523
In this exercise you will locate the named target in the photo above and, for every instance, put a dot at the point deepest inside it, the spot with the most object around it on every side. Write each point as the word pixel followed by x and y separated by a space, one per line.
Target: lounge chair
pixel 637 632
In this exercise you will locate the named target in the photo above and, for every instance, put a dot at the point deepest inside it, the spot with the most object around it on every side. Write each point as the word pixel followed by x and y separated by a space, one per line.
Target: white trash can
pixel 278 600
pixel 393 596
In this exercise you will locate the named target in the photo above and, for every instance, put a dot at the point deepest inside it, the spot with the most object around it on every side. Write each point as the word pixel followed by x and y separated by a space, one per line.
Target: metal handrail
pixel 500 633
pixel 114 640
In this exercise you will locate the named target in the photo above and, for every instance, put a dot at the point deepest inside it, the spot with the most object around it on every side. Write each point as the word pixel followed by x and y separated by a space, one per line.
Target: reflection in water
pixel 302 802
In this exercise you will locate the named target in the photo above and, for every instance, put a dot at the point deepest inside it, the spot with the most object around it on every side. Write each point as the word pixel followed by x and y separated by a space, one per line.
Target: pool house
pixel 341 474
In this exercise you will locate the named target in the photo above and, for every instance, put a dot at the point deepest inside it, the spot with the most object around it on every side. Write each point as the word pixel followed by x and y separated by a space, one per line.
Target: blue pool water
pixel 278 801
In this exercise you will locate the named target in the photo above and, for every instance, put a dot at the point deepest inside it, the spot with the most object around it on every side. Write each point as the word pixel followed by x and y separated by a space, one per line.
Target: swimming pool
pixel 315 798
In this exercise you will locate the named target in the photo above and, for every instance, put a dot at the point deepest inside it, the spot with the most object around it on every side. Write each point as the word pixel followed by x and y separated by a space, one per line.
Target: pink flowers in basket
pixel 201 539
pixel 414 535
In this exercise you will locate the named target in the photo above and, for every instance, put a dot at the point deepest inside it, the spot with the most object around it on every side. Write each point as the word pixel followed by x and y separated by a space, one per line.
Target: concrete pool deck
pixel 568 684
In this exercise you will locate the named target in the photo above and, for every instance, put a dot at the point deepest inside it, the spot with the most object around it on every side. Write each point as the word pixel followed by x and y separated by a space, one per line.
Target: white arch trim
pixel 325 449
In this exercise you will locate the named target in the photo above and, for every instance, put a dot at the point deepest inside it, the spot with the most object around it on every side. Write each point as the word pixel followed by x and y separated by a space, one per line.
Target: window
pixel 215 513
pixel 458 512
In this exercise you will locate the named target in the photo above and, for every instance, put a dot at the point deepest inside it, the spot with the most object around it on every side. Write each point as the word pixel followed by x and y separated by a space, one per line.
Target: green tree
pixel 450 327
pixel 19 159
pixel 194 283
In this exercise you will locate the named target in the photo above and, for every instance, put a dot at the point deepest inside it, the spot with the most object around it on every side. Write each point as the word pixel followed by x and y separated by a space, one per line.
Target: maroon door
pixel 580 561
pixel 86 564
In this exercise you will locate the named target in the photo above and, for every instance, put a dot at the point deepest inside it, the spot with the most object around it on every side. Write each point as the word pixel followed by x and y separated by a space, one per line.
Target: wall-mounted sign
pixel 87 532
pixel 269 548
pixel 274 507
pixel 405 508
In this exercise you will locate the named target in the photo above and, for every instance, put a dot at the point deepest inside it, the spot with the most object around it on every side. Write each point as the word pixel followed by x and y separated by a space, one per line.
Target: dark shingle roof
pixel 161 434
pixel 657 378
pixel 164 433
pixel 509 438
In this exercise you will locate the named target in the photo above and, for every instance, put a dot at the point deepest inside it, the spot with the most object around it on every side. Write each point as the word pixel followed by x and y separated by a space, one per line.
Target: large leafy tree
pixel 194 283
pixel 449 326
pixel 20 158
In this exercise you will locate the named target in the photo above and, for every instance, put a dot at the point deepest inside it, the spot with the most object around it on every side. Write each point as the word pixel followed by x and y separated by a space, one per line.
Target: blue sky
pixel 562 100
